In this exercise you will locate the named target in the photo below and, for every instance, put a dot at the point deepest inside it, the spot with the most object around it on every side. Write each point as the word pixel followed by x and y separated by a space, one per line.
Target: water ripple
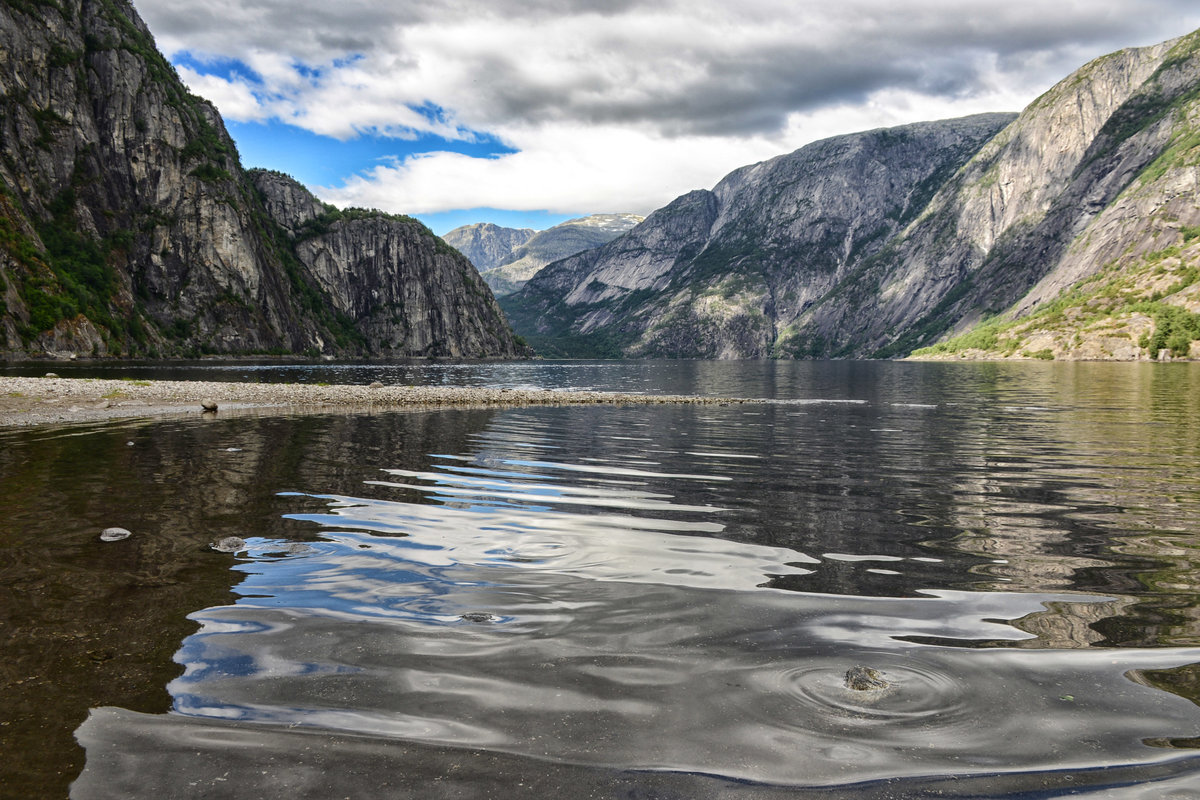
pixel 918 694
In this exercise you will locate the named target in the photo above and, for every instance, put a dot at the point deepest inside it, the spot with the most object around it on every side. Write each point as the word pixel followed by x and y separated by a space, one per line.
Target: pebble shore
pixel 55 400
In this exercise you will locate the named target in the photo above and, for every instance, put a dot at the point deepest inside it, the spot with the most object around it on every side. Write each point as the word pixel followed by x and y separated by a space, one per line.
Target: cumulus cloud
pixel 601 90
pixel 235 97
pixel 620 171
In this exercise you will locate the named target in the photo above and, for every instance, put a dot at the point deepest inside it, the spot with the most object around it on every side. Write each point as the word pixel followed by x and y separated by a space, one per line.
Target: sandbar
pixel 57 400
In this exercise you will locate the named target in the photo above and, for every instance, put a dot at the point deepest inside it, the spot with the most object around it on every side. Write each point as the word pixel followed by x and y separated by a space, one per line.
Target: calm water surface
pixel 617 602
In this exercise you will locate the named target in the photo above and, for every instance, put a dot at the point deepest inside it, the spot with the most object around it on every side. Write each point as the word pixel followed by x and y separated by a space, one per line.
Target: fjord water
pixel 638 601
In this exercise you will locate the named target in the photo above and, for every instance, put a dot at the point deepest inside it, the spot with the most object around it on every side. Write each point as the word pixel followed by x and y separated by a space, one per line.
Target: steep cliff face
pixel 1008 221
pixel 407 292
pixel 722 274
pixel 127 226
pixel 1084 207
pixel 1112 271
pixel 545 247
pixel 486 244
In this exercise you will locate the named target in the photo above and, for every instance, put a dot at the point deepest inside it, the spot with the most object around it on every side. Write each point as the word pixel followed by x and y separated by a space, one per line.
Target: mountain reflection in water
pixel 639 601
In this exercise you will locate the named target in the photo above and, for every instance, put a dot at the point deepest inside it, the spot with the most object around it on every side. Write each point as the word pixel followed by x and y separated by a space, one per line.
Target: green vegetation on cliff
pixel 1144 302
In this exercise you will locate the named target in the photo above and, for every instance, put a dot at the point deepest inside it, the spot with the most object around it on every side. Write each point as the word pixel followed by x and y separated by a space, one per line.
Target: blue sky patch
pixel 228 68
pixel 316 160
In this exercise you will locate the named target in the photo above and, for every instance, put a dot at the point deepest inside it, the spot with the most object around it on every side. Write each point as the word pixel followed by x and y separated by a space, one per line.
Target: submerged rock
pixel 865 679
pixel 291 549
pixel 230 544
pixel 477 616
pixel 114 534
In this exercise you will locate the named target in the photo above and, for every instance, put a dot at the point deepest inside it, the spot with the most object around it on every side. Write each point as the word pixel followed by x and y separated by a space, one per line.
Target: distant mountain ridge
pixel 880 243
pixel 487 244
pixel 506 273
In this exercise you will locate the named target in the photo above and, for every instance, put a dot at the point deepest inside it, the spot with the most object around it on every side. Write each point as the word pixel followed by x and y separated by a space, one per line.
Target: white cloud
pixel 562 168
pixel 621 105
pixel 235 98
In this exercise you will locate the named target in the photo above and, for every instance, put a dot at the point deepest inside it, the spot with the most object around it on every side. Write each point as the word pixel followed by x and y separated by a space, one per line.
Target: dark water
pixel 647 602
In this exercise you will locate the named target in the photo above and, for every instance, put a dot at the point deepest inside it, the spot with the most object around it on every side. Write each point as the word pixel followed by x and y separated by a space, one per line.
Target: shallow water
pixel 619 602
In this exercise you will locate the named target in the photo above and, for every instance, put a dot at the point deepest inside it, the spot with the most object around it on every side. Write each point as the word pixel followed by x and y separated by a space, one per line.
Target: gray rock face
pixel 486 244
pixel 878 243
pixel 408 293
pixel 723 273
pixel 1009 220
pixel 130 227
pixel 287 202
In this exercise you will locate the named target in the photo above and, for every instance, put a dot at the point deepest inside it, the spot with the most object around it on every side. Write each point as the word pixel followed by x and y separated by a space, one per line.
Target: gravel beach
pixel 55 400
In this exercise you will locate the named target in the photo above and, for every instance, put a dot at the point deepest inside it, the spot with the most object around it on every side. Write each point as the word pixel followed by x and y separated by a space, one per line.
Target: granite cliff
pixel 1103 263
pixel 720 273
pixel 408 292
pixel 128 226
pixel 1071 231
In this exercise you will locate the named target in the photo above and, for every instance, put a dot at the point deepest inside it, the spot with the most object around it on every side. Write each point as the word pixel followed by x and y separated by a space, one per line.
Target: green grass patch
pixel 1181 153
pixel 211 173
pixel 985 336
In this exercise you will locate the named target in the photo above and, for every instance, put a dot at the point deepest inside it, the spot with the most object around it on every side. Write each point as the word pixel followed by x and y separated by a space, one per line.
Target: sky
pixel 530 112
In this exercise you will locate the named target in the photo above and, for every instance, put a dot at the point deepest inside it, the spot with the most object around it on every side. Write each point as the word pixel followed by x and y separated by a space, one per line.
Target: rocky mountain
pixel 486 244
pixel 719 274
pixel 545 247
pixel 1106 264
pixel 1095 176
pixel 1081 213
pixel 128 226
pixel 408 292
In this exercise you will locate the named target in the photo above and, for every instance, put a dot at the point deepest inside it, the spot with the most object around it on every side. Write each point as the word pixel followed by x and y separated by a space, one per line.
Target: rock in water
pixel 208 404
pixel 230 544
pixel 114 534
pixel 865 679
pixel 477 616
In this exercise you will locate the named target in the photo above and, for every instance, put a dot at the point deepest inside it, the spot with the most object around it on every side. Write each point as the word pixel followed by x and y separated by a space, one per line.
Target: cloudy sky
pixel 528 112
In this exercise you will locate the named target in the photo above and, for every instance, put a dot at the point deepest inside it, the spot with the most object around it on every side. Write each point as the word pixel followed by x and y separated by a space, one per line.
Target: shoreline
pixel 26 402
